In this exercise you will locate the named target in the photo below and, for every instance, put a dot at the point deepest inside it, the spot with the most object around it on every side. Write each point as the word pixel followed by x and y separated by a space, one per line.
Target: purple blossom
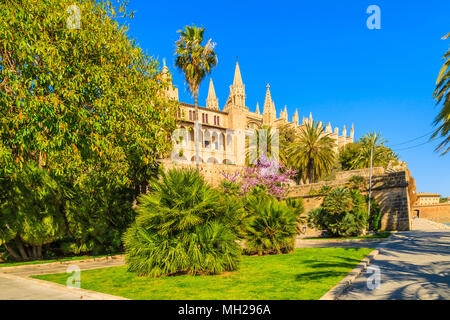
pixel 266 173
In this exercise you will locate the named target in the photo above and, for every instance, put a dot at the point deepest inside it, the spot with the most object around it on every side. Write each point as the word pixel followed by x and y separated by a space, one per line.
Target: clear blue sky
pixel 320 57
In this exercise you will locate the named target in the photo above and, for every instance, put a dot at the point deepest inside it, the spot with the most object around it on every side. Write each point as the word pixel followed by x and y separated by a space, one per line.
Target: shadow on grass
pixel 318 275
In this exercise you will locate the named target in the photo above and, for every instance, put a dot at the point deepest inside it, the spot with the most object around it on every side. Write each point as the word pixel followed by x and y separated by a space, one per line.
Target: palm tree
pixel 312 154
pixel 195 61
pixel 180 228
pixel 381 153
pixel 443 92
pixel 265 139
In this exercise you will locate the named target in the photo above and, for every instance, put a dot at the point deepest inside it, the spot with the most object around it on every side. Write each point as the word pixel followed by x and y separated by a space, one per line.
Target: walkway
pixel 15 284
pixel 413 265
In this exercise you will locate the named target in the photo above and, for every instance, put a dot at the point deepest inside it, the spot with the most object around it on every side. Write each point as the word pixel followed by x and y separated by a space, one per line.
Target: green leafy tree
pixel 272 227
pixel 312 153
pixel 80 105
pixel 442 94
pixel 357 155
pixel 179 229
pixel 342 213
pixel 382 155
pixel 347 154
pixel 31 212
pixel 195 61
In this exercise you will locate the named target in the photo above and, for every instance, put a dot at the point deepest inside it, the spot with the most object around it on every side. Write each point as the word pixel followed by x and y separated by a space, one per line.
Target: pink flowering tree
pixel 267 173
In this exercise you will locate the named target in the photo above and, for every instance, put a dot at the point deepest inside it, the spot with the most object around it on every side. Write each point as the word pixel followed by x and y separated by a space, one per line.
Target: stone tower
pixel 212 102
pixel 269 112
pixel 295 117
pixel 171 92
pixel 235 105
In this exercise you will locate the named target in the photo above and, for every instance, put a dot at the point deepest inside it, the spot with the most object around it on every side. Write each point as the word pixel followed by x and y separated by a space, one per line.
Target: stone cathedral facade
pixel 222 133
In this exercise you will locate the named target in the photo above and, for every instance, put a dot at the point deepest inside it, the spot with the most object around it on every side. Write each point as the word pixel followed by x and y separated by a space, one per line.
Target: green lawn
pixel 379 235
pixel 307 273
pixel 15 264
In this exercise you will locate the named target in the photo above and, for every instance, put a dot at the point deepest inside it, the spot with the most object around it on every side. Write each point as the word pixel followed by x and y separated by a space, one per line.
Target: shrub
pixel 272 228
pixel 374 220
pixel 356 182
pixel 343 213
pixel 179 229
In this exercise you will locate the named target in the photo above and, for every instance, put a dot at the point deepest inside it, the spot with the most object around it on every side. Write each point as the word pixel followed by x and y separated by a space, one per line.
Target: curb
pixel 38 265
pixel 84 293
pixel 338 289
pixel 328 241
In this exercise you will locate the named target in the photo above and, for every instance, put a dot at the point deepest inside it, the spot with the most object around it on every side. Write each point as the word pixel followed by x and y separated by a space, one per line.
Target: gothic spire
pixel 211 101
pixel 237 76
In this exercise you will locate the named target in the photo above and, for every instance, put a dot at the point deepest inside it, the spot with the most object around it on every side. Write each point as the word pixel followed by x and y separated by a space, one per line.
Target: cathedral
pixel 222 133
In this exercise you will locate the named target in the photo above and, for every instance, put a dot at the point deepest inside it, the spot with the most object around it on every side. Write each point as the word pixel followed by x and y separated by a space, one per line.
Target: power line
pixel 421 144
pixel 399 144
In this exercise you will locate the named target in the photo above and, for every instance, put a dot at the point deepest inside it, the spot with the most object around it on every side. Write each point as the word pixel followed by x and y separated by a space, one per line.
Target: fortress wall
pixel 390 189
pixel 436 212
pixel 210 171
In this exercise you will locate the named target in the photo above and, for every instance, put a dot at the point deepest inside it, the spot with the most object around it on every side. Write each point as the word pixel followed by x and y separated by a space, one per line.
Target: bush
pixel 343 213
pixel 179 229
pixel 356 182
pixel 272 227
pixel 375 216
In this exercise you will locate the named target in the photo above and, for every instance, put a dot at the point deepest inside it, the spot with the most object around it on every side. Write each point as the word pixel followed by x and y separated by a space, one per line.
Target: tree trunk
pixel 12 252
pixel 21 248
pixel 35 253
pixel 196 133
pixel 39 251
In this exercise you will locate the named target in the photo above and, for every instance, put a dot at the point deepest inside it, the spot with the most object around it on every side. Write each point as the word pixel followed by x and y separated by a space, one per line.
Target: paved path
pixel 15 284
pixel 414 265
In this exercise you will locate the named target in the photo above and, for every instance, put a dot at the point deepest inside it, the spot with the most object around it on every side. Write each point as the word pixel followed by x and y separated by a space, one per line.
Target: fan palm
pixel 312 154
pixel 195 61
pixel 273 227
pixel 442 92
pixel 179 228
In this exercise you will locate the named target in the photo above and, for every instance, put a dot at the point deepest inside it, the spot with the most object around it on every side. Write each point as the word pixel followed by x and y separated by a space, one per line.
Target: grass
pixel 307 273
pixel 379 235
pixel 15 264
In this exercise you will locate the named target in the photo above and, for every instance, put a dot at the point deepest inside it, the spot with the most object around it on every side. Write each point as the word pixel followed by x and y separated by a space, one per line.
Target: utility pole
pixel 370 178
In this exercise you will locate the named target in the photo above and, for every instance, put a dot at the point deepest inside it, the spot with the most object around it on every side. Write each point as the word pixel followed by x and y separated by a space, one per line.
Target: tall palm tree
pixel 195 61
pixel 442 91
pixel 312 154
pixel 362 159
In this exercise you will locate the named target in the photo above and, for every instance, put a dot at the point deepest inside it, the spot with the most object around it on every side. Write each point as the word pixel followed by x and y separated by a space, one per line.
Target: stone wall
pixel 210 171
pixel 392 190
pixel 436 212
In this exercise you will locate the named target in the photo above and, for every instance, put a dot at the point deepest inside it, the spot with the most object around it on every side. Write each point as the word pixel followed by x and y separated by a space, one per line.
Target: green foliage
pixel 356 182
pixel 179 229
pixel 343 213
pixel 347 154
pixel 90 110
pixel 31 211
pixel 357 155
pixel 272 227
pixel 442 94
pixel 312 153
pixel 324 190
pixel 195 60
pixel 374 220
